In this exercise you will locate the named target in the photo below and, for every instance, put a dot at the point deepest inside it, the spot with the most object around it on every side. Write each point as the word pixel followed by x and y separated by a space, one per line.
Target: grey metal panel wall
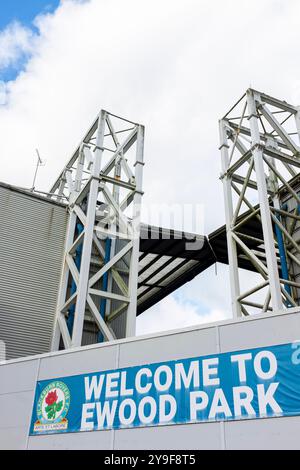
pixel 17 384
pixel 280 433
pixel 32 233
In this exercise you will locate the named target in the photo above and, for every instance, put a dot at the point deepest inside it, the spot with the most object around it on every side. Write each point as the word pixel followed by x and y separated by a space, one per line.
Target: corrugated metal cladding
pixel 32 234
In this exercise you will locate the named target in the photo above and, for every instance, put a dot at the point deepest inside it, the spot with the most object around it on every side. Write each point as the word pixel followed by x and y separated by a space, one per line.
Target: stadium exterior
pixel 78 267
pixel 19 377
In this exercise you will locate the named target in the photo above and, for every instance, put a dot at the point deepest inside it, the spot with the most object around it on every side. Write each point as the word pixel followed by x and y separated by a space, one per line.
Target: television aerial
pixel 40 163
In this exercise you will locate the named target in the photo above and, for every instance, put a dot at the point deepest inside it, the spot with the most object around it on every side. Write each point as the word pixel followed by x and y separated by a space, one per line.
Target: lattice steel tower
pixel 102 185
pixel 260 138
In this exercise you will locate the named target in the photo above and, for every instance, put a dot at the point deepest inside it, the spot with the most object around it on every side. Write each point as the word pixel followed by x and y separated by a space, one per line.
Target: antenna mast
pixel 39 163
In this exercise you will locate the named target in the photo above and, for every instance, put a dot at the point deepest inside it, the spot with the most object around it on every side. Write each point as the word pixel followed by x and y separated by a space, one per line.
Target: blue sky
pixel 24 12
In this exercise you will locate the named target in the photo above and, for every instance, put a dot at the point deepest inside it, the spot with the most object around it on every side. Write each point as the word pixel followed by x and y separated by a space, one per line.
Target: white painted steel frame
pixel 85 183
pixel 257 152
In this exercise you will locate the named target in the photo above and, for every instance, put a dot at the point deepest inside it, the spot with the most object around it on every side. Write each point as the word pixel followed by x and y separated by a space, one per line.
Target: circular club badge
pixel 52 408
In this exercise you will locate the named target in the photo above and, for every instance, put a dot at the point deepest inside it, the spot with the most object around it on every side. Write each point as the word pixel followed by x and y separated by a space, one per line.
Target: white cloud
pixel 172 313
pixel 175 66
pixel 15 41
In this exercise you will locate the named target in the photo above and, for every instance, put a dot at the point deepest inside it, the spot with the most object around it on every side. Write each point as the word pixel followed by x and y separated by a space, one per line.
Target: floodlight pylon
pixel 102 186
pixel 259 144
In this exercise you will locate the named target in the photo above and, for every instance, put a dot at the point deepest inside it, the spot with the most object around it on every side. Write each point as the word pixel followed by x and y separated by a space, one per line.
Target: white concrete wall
pixel 18 379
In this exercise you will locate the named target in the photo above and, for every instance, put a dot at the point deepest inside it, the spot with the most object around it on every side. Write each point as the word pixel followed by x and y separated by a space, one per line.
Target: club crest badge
pixel 52 408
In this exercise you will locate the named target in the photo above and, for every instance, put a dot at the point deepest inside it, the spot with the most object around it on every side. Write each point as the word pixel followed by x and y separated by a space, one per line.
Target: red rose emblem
pixel 51 398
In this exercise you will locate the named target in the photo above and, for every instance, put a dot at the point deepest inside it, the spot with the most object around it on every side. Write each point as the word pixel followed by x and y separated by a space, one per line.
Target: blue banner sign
pixel 249 384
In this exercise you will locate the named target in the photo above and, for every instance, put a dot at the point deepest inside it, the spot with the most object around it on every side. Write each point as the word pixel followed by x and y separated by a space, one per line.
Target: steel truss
pixel 102 184
pixel 260 138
